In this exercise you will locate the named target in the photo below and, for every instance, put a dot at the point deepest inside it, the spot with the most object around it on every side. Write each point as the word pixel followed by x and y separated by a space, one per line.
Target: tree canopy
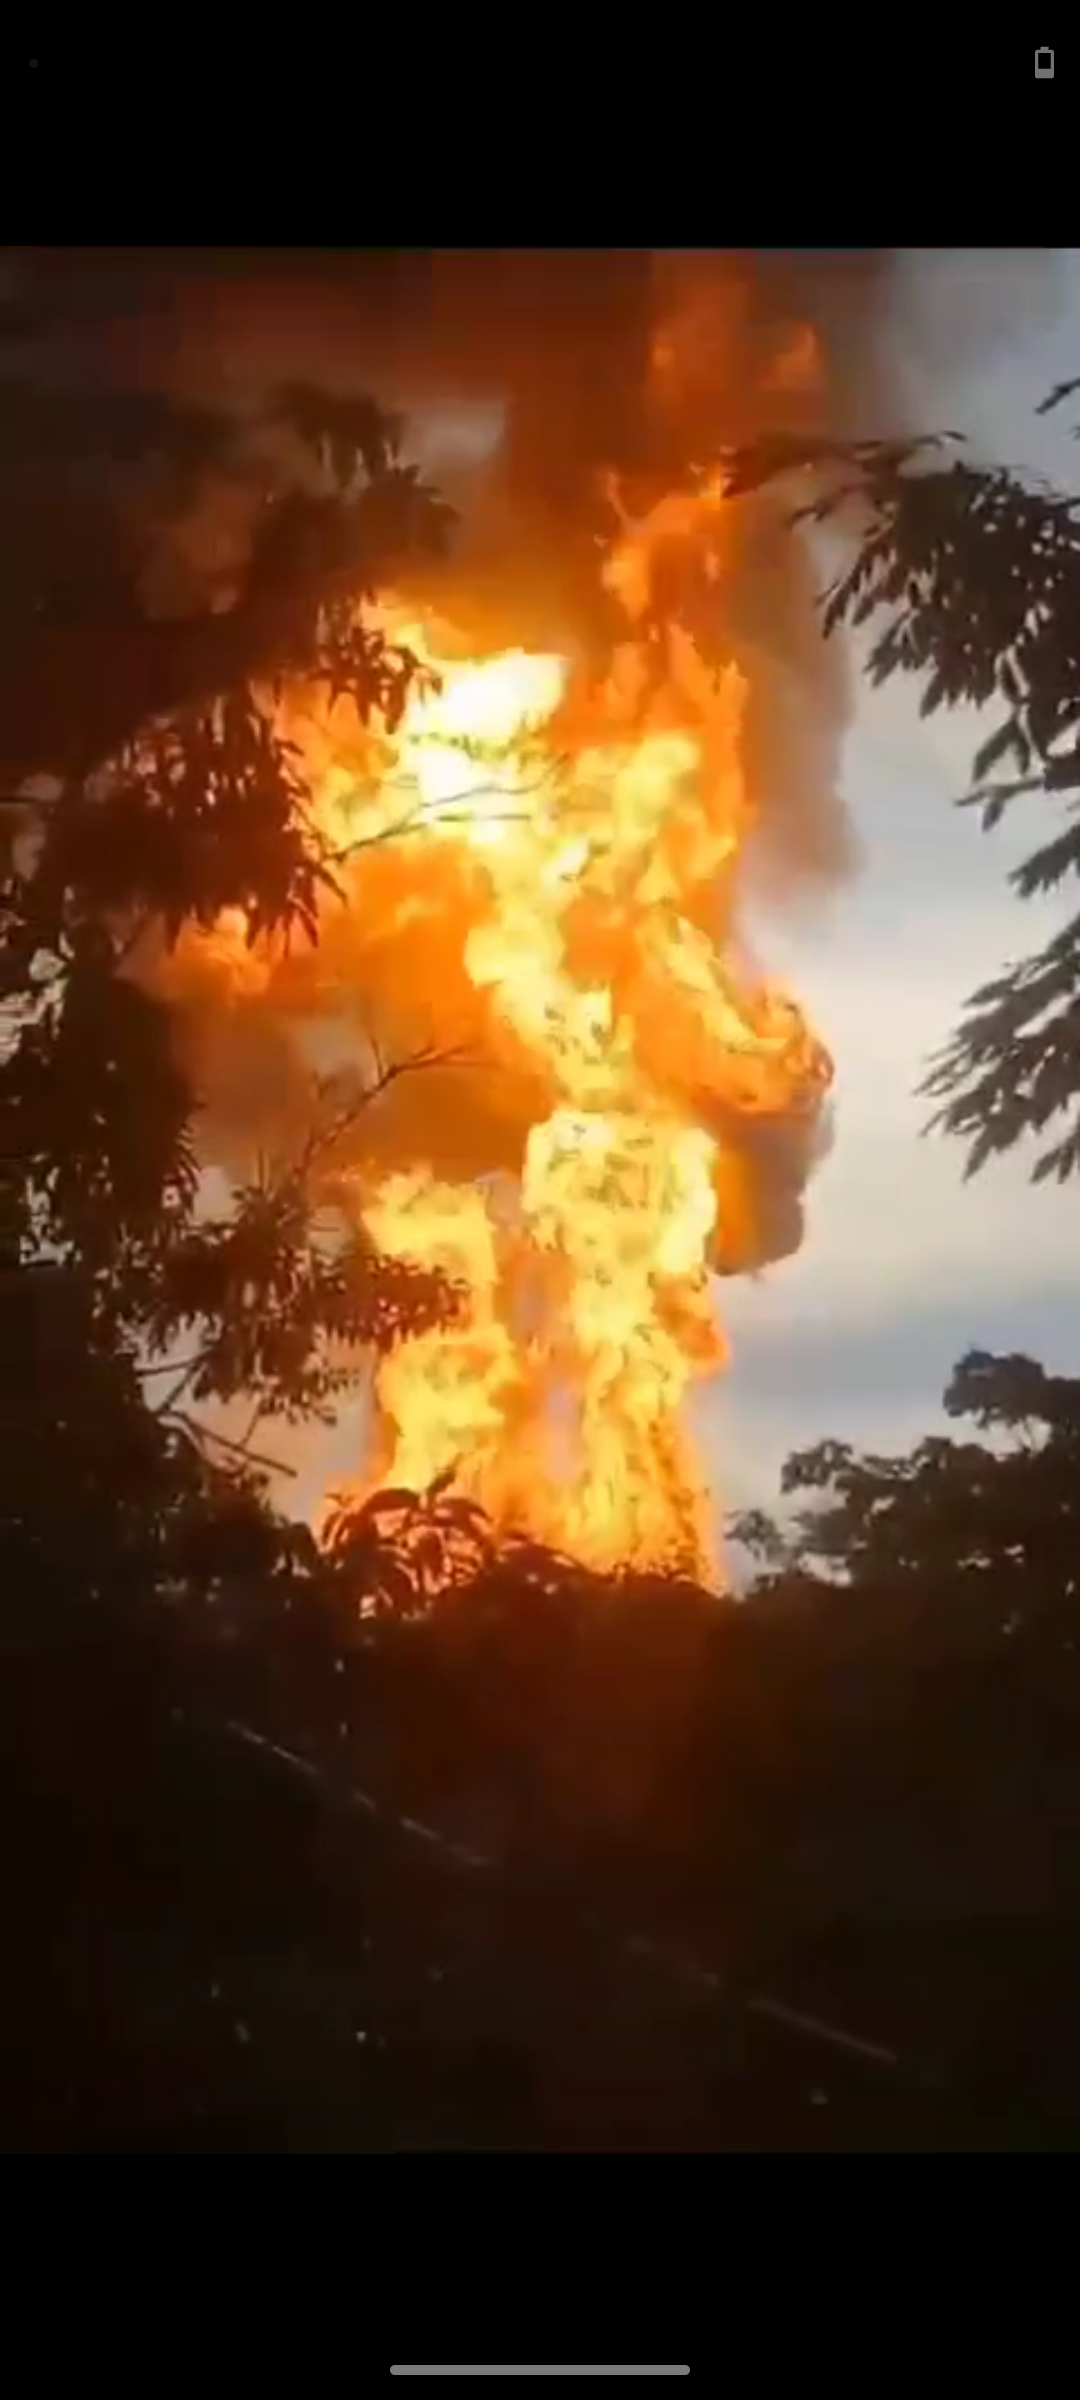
pixel 165 569
pixel 986 1525
pixel 967 578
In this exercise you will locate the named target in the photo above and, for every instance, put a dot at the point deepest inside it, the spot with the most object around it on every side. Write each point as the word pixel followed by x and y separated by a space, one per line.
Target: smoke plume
pixel 593 361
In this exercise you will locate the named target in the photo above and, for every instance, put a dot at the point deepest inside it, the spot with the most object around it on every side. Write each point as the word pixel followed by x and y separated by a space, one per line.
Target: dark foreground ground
pixel 208 1952
pixel 310 1981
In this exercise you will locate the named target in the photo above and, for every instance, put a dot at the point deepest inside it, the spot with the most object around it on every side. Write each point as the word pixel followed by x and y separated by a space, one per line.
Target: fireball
pixel 539 886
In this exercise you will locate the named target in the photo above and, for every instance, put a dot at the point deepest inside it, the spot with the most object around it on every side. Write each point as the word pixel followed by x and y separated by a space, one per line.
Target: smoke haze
pixel 563 365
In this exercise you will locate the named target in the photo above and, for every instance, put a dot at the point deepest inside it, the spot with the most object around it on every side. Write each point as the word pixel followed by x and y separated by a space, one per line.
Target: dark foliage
pixel 164 567
pixel 969 578
pixel 987 1526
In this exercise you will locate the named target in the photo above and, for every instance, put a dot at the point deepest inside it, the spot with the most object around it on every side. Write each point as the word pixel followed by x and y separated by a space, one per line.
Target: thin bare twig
pixel 166 1407
pixel 459 810
pixel 256 1416
pixel 170 1366
pixel 222 1441
pixel 387 1073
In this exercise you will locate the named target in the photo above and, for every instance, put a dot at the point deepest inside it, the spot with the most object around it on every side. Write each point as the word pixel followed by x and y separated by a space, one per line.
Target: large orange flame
pixel 540 883
pixel 559 896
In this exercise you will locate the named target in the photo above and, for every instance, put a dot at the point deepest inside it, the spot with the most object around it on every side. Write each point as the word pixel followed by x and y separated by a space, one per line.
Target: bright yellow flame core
pixel 591 891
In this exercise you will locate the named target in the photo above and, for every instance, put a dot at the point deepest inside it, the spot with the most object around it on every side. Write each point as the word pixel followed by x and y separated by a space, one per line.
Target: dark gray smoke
pixel 567 344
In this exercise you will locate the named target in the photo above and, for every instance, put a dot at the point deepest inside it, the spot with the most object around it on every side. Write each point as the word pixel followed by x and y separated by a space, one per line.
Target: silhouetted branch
pixel 202 1434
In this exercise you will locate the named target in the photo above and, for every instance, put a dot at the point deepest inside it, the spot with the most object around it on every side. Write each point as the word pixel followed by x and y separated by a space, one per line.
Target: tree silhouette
pixel 165 569
pixel 400 1550
pixel 960 1543
pixel 969 578
pixel 915 1704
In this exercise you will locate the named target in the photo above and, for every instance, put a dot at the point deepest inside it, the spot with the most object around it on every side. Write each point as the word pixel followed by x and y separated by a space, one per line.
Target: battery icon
pixel 1044 65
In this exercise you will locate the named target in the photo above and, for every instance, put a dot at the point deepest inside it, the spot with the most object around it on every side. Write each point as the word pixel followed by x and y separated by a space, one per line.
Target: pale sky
pixel 905 1266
